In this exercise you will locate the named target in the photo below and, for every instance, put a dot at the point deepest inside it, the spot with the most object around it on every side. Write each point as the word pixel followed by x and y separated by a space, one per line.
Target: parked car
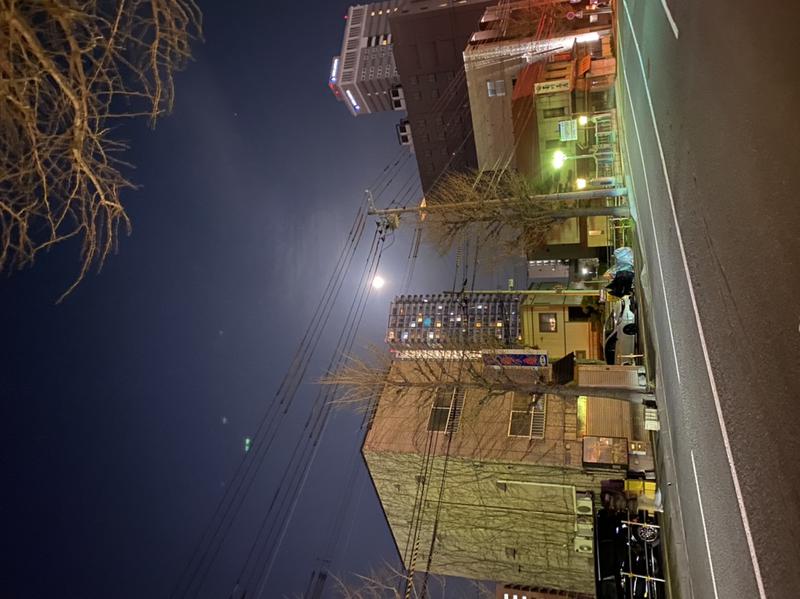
pixel 629 555
pixel 620 332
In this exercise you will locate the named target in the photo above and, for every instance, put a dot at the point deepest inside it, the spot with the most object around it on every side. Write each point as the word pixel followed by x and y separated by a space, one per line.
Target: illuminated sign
pixel 352 100
pixel 505 358
pixel 334 69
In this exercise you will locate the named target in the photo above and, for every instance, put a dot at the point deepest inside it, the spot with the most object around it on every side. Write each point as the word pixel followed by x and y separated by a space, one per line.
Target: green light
pixel 247 443
pixel 559 158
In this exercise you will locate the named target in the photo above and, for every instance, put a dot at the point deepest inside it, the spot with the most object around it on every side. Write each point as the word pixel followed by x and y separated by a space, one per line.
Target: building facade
pixel 495 486
pixel 449 319
pixel 429 37
pixel 364 75
pixel 405 55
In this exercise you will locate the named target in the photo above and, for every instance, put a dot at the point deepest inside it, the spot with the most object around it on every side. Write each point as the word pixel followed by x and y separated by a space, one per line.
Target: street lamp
pixel 583 120
pixel 559 158
pixel 580 183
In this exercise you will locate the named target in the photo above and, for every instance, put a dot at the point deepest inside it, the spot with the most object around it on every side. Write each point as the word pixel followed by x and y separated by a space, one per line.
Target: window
pixel 446 409
pixel 527 418
pixel 553 112
pixel 548 322
pixel 578 314
pixel 496 88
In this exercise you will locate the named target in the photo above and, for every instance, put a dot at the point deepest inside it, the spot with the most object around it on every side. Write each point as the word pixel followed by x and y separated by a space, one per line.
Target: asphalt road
pixel 710 98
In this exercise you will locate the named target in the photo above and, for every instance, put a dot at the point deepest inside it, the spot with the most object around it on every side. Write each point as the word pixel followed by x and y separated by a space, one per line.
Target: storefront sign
pixel 550 87
pixel 512 357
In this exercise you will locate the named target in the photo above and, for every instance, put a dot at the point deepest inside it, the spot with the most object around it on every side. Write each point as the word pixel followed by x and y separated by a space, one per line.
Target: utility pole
pixel 572 196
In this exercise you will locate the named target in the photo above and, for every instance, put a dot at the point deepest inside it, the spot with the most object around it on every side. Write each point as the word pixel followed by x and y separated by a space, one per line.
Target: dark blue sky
pixel 114 451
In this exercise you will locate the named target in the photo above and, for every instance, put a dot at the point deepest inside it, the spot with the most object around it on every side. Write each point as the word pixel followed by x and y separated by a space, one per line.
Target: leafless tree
pixel 69 70
pixel 389 582
pixel 362 380
pixel 504 208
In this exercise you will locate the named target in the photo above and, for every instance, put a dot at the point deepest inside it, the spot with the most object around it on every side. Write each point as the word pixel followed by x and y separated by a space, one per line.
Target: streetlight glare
pixel 580 183
pixel 559 158
pixel 378 282
pixel 583 120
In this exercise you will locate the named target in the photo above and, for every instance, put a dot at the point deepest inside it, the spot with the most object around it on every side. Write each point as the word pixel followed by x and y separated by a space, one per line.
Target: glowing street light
pixel 580 183
pixel 559 158
pixel 583 120
pixel 378 282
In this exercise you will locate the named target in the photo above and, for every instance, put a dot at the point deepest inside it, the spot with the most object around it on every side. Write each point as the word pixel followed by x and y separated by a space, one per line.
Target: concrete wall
pixel 492 116
pixel 521 530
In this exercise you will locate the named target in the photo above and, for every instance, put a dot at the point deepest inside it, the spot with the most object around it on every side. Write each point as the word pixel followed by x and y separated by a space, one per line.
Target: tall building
pixel 364 75
pixel 429 37
pixel 448 319
pixel 406 55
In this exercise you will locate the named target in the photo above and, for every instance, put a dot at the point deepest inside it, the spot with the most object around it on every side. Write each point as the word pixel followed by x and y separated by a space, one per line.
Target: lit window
pixel 548 322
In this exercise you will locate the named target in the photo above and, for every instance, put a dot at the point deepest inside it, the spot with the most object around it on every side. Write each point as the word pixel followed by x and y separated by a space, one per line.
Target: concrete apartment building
pixel 429 38
pixel 448 319
pixel 406 55
pixel 364 75
pixel 511 480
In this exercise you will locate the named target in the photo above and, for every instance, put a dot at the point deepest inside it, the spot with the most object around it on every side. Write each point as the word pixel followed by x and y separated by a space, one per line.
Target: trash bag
pixel 622 284
pixel 623 262
pixel 623 259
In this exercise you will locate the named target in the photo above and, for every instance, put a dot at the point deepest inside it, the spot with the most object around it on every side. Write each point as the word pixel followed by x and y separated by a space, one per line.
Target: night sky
pixel 125 408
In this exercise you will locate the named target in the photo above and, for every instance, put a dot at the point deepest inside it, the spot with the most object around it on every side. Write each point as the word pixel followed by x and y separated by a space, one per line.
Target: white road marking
pixel 669 18
pixel 705 528
pixel 712 381
pixel 652 222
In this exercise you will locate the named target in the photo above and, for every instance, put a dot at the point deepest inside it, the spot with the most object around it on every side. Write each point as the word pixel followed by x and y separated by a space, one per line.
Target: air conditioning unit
pixel 584 545
pixel 583 505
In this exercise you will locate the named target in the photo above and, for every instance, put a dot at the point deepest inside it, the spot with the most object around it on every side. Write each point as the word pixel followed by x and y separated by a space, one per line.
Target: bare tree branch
pixel 504 208
pixel 68 70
